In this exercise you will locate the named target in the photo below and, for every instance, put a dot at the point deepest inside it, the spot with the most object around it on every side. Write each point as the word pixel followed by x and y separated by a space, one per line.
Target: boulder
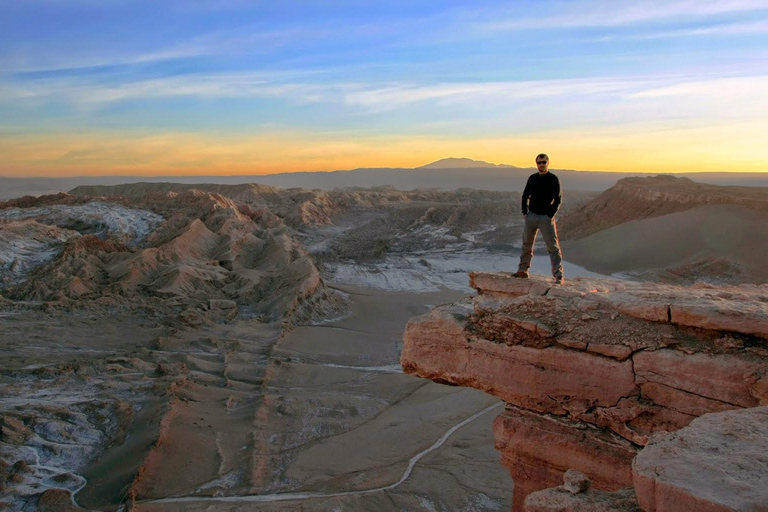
pixel 538 449
pixel 718 463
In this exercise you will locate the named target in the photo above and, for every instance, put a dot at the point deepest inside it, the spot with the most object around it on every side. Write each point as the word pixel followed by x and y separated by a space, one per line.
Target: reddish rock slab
pixel 737 313
pixel 538 449
pixel 718 463
pixel 635 419
pixel 741 309
pixel 504 283
pixel 718 380
pixel 436 346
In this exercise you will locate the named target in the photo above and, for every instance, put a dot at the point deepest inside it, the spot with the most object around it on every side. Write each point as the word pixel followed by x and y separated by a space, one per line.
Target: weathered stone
pixel 565 292
pixel 620 352
pixel 645 311
pixel 720 377
pixel 682 401
pixel 718 463
pixel 499 282
pixel 590 370
pixel 437 347
pixel 558 499
pixel 570 342
pixel 743 316
pixel 537 449
pixel 575 481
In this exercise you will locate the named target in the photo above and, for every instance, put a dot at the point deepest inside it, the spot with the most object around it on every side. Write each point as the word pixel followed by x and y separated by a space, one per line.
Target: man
pixel 541 200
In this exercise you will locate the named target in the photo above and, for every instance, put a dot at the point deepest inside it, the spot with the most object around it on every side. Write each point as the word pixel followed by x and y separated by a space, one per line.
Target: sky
pixel 222 87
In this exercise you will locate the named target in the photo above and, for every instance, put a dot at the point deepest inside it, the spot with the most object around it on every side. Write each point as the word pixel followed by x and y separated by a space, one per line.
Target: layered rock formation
pixel 591 370
pixel 181 248
pixel 117 341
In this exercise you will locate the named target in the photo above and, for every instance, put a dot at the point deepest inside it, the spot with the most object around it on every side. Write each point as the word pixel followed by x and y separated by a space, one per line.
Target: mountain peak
pixel 459 163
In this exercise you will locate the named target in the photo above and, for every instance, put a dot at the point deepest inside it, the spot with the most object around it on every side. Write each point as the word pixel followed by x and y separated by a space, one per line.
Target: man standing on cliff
pixel 541 200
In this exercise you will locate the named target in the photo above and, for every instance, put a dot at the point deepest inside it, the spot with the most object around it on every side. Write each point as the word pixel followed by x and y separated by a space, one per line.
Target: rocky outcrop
pixel 178 248
pixel 591 370
pixel 718 463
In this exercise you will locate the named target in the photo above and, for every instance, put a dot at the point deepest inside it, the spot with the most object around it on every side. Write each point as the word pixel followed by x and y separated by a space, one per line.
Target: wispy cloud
pixel 230 42
pixel 613 14
pixel 83 93
pixel 741 89
pixel 511 107
pixel 288 85
pixel 729 29
pixel 387 96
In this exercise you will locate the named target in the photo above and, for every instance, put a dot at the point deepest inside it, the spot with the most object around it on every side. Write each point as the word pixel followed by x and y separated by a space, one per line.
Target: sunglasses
pixel 541 163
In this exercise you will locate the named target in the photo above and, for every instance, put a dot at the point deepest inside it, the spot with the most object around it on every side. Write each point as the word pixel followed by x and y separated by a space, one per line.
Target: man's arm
pixel 558 198
pixel 526 196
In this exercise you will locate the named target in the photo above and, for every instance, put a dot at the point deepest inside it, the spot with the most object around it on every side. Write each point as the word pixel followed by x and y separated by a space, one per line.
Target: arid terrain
pixel 446 174
pixel 171 346
pixel 673 230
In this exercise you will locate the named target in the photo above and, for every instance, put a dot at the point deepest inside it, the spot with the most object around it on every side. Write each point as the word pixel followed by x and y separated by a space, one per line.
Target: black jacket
pixel 542 195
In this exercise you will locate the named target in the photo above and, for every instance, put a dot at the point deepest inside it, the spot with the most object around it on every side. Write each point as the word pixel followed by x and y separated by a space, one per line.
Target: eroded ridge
pixel 590 370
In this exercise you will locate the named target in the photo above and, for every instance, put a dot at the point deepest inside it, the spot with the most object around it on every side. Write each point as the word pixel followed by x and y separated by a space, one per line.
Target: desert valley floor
pixel 168 347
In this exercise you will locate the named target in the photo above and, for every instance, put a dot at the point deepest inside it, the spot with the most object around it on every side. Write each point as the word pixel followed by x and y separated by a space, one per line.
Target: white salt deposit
pixel 31 237
pixel 27 245
pixel 431 271
pixel 129 225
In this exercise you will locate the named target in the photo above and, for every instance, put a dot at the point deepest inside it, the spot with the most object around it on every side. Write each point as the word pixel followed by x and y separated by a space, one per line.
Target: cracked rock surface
pixel 594 358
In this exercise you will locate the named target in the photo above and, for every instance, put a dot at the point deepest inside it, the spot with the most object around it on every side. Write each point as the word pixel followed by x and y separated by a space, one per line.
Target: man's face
pixel 542 164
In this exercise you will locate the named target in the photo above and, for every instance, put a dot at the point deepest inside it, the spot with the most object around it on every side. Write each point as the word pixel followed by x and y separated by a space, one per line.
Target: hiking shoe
pixel 559 280
pixel 520 275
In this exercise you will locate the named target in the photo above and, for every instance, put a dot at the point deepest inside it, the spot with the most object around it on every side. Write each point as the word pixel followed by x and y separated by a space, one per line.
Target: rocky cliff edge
pixel 592 370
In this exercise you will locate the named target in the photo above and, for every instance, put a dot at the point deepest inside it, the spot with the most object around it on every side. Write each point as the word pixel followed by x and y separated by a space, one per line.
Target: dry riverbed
pixel 235 416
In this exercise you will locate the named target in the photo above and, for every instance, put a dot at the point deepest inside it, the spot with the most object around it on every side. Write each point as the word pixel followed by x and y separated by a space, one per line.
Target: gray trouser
pixel 548 227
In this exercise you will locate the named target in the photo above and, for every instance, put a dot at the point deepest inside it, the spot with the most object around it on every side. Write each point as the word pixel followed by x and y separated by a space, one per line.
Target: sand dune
pixel 671 229
pixel 717 243
pixel 640 198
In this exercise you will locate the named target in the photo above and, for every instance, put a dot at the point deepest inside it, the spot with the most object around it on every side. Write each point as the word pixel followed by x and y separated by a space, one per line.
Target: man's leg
pixel 549 232
pixel 529 237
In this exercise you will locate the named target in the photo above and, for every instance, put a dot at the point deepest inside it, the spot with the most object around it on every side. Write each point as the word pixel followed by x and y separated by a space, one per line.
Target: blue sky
pixel 236 86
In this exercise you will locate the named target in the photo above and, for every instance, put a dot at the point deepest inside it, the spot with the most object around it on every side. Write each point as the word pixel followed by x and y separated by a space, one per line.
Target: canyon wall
pixel 593 371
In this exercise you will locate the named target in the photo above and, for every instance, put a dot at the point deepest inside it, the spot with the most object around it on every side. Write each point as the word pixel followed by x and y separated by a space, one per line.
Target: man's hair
pixel 542 155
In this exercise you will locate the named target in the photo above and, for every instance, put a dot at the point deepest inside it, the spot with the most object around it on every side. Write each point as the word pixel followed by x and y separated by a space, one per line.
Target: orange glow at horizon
pixel 736 147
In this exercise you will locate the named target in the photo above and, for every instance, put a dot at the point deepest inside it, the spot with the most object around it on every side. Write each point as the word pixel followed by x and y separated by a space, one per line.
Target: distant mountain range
pixel 446 174
pixel 464 163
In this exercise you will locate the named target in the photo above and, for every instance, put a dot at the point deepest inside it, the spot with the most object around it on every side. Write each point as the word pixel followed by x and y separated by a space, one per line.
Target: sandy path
pixel 339 426
pixel 235 415
pixel 306 496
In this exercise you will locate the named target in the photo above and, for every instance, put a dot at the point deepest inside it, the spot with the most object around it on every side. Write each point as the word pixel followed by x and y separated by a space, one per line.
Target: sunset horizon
pixel 233 88
pixel 351 255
